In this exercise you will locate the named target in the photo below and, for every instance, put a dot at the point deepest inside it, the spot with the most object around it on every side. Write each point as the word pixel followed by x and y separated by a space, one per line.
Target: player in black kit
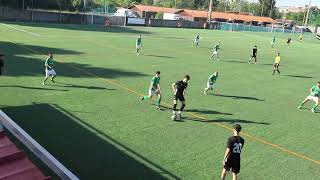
pixel 288 41
pixel 231 158
pixel 1 64
pixel 254 55
pixel 179 89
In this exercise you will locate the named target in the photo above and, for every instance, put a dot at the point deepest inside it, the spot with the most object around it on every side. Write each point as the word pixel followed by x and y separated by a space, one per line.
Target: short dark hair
pixel 157 72
pixel 187 77
pixel 318 82
pixel 1 55
pixel 237 127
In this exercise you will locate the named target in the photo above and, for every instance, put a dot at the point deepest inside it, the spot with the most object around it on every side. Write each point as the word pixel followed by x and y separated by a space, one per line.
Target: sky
pixel 295 3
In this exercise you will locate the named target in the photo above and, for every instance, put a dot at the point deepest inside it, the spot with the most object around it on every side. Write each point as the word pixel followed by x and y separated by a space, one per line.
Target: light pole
pixel 210 11
pixel 307 16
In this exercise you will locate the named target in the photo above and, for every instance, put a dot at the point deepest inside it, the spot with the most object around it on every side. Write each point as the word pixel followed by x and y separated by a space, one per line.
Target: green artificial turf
pixel 93 121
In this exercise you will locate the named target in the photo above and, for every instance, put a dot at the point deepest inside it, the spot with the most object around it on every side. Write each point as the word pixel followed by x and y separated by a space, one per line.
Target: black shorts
pixel 179 97
pixel 254 55
pixel 233 164
pixel 276 65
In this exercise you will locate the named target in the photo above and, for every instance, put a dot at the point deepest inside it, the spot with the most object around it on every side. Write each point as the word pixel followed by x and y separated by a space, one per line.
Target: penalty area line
pixel 19 29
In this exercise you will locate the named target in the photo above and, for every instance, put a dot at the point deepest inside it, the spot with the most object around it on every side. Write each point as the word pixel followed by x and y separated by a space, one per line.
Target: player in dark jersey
pixel 254 55
pixel 231 158
pixel 179 89
pixel 1 63
pixel 288 41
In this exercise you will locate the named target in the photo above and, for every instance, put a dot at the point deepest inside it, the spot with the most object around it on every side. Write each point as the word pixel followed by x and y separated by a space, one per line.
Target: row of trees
pixel 260 8
pixel 299 18
pixel 263 7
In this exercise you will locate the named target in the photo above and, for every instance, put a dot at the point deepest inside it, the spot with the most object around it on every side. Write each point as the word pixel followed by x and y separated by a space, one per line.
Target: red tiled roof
pixel 204 14
pixel 155 9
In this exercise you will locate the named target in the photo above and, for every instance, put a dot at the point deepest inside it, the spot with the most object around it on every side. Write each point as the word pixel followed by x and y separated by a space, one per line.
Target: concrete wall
pixel 174 23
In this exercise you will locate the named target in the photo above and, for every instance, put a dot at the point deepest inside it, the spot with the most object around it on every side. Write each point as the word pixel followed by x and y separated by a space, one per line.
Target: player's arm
pixel 226 155
pixel 159 88
pixel 173 87
pixel 311 90
pixel 46 64
pixel 151 85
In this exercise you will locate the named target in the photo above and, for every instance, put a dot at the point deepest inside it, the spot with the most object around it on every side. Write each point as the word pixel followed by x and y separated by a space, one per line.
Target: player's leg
pixel 212 55
pixel 45 79
pixel 234 176
pixel 174 107
pixel 183 105
pixel 250 59
pixel 53 75
pixel 316 99
pixel 278 68
pixel 303 102
pixel 206 89
pixel 151 93
pixel 255 60
pixel 217 56
pixel 158 100
pixel 274 69
pixel 223 174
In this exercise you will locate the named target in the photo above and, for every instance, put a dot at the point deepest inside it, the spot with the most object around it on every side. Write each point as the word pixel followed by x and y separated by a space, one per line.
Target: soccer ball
pixel 174 117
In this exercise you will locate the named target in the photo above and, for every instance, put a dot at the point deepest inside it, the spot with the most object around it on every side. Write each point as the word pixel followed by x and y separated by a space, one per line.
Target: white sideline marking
pixel 21 30
pixel 36 148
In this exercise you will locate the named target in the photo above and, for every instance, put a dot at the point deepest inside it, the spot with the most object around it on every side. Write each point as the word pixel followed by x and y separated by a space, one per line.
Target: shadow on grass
pixel 86 150
pixel 239 97
pixel 240 62
pixel 225 120
pixel 20 63
pixel 159 56
pixel 33 88
pixel 67 85
pixel 204 111
pixel 82 27
pixel 297 76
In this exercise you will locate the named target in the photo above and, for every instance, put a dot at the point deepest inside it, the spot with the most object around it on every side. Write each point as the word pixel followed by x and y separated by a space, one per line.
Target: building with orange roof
pixel 196 15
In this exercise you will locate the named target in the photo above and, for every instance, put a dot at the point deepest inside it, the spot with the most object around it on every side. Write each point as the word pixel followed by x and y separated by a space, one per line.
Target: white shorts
pixel 313 98
pixel 153 92
pixel 138 46
pixel 196 41
pixel 215 53
pixel 50 72
pixel 210 86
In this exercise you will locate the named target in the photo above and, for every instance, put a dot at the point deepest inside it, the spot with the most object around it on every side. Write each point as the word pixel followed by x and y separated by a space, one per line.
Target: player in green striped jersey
pixel 49 69
pixel 138 44
pixel 216 51
pixel 314 96
pixel 196 40
pixel 154 89
pixel 211 82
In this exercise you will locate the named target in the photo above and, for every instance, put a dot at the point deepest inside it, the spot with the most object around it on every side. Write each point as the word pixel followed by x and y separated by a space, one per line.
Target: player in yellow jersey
pixel 276 64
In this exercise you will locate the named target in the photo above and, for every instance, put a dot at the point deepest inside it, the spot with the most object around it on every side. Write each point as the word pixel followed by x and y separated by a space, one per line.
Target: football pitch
pixel 93 121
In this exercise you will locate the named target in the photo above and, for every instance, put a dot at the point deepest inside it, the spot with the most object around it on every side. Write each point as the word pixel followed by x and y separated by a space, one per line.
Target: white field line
pixel 19 29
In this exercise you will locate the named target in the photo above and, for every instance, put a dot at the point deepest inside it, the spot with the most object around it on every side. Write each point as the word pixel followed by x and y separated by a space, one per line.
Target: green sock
pixel 158 101
pixel 314 107
pixel 145 97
